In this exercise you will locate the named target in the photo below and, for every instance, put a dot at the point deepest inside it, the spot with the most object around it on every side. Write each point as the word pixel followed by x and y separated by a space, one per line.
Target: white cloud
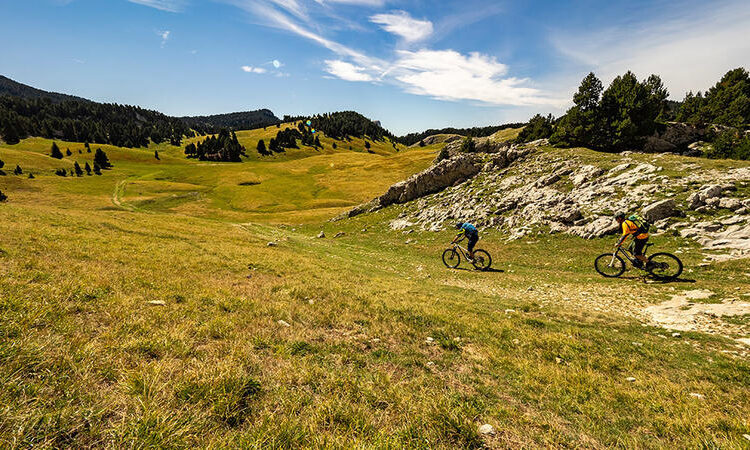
pixel 347 71
pixel 251 69
pixel 449 75
pixel 690 52
pixel 164 35
pixel 402 24
pixel 355 2
pixel 163 5
pixel 440 74
pixel 276 63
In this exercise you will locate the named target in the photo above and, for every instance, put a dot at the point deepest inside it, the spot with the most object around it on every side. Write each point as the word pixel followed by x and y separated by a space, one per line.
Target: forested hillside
pixel 16 89
pixel 244 120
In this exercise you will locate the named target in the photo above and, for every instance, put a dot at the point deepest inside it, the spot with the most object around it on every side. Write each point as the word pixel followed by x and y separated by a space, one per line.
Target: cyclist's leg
pixel 472 242
pixel 640 245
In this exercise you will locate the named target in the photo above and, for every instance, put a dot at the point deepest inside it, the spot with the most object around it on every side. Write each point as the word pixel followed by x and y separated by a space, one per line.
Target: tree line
pixel 222 147
pixel 346 124
pixel 413 138
pixel 628 111
pixel 99 123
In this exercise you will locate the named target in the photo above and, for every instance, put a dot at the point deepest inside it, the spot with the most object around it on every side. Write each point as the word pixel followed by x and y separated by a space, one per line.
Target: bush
pixel 444 154
pixel 61 173
pixel 3 197
pixel 18 170
pixel 467 146
pixel 729 144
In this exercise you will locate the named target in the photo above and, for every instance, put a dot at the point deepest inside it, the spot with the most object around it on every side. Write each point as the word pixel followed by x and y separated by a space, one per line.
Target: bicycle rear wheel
pixel 607 267
pixel 664 266
pixel 482 260
pixel 451 258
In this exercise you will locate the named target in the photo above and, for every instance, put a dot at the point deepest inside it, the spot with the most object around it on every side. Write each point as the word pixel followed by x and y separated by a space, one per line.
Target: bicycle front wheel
pixel 664 266
pixel 451 258
pixel 482 260
pixel 609 267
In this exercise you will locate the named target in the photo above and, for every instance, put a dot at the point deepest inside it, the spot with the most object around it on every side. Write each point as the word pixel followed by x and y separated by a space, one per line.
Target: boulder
pixel 730 203
pixel 600 226
pixel 660 210
pixel 586 174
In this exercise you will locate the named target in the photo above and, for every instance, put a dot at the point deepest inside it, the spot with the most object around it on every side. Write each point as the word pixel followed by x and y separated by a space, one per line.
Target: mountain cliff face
pixel 533 188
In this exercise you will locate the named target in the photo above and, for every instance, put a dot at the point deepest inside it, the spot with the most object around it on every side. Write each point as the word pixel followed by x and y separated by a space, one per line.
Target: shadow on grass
pixel 490 270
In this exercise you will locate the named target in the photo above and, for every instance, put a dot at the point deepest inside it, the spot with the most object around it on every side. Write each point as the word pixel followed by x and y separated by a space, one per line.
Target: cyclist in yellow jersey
pixel 631 229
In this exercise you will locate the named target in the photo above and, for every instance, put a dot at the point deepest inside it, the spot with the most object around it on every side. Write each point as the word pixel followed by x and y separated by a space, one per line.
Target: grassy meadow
pixel 144 308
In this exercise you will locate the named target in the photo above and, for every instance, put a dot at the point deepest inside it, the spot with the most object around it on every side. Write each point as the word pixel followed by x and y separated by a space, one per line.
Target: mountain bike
pixel 452 257
pixel 663 266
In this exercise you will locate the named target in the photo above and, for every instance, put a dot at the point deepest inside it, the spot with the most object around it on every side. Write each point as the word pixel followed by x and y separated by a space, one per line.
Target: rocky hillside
pixel 534 188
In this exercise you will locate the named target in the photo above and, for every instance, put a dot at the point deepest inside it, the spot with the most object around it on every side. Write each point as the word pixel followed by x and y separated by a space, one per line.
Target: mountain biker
pixel 638 233
pixel 471 233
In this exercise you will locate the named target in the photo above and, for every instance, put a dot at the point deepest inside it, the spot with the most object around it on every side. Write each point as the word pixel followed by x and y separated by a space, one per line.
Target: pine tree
pixel 10 134
pixel 18 170
pixel 2 164
pixel 56 153
pixel 421 143
pixel 78 170
pixel 317 142
pixel 60 172
pixel 80 152
pixel 261 147
pixel 88 169
pixel 156 155
pixel 31 176
pixel 3 197
pixel 334 146
pixel 97 169
pixel 68 152
pixel 100 158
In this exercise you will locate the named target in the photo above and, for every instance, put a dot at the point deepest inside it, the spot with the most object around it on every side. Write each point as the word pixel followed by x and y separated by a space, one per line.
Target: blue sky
pixel 412 64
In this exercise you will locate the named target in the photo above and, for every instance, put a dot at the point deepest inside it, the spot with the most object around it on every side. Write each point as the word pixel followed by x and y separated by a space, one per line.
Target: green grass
pixel 87 361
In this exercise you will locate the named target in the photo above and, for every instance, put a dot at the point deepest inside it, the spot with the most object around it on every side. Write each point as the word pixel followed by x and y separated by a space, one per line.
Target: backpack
pixel 642 224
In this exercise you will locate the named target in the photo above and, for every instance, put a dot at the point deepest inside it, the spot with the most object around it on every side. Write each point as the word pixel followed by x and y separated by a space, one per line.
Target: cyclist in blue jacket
pixel 471 233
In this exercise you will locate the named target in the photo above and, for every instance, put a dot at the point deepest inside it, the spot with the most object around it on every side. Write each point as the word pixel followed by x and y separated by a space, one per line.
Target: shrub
pixel 18 170
pixel 61 173
pixel 444 154
pixel 467 146
pixel 3 197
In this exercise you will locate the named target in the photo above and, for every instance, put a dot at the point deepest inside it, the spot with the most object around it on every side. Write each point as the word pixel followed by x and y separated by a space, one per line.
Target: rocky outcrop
pixel 446 173
pixel 438 139
pixel 675 137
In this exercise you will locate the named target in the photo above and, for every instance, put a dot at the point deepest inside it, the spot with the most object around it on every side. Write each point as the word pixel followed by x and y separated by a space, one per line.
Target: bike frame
pixel 627 253
pixel 464 251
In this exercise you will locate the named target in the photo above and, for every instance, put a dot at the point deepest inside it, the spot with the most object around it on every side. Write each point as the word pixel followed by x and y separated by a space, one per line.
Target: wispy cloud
pixel 347 71
pixel 251 69
pixel 441 74
pixel 163 5
pixel 690 52
pixel 404 25
pixel 164 35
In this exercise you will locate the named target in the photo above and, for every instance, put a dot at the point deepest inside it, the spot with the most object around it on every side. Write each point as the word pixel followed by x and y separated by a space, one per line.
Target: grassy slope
pixel 86 361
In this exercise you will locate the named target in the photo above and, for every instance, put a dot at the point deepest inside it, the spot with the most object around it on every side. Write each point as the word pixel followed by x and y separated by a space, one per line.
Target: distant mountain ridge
pixel 16 89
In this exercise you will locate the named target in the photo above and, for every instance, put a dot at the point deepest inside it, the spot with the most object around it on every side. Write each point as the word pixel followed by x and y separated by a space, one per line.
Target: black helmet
pixel 620 215
pixel 459 224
